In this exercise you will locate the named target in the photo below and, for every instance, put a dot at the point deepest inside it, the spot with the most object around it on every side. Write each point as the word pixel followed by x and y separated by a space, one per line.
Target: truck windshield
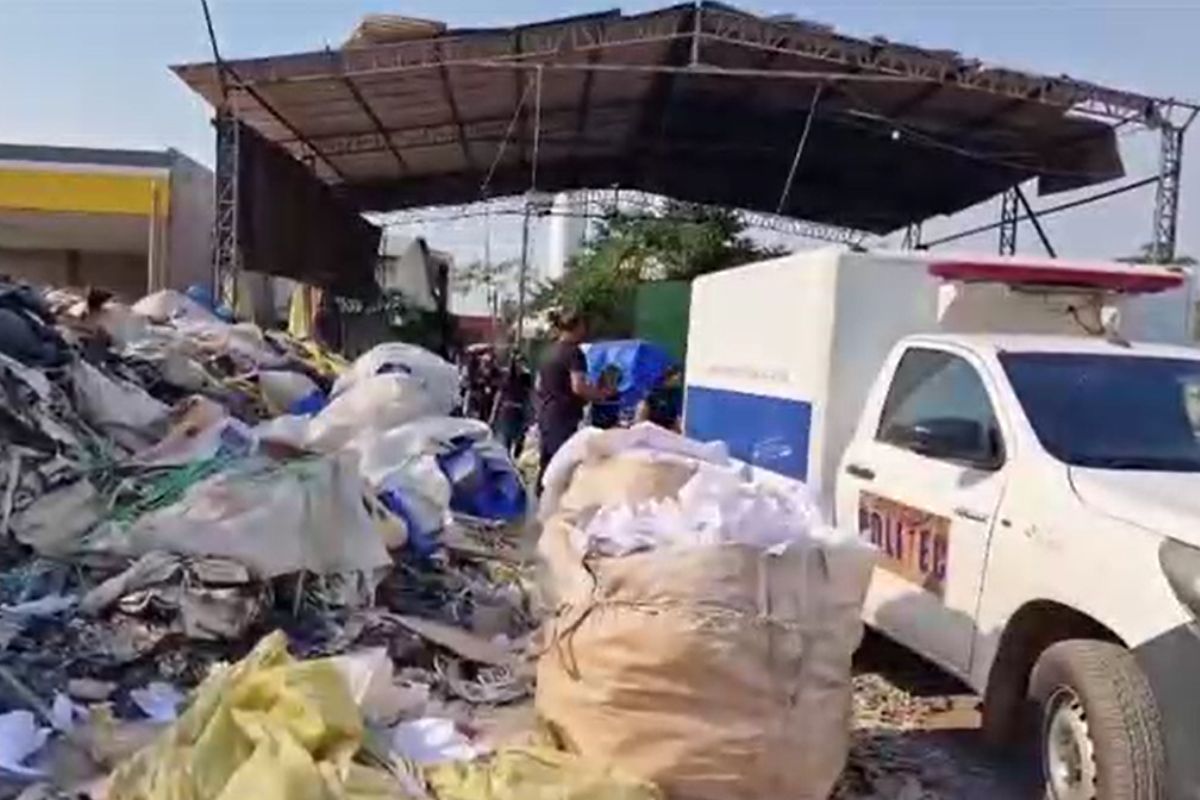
pixel 1111 412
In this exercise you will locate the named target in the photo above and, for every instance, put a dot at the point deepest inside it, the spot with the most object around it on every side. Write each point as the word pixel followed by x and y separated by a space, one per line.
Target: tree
pixel 497 281
pixel 680 242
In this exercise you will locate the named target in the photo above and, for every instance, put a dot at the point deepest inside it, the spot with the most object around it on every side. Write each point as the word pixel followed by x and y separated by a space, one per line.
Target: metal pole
pixel 522 277
pixel 808 121
pixel 694 60
pixel 152 284
pixel 1009 214
pixel 1166 201
pixel 1037 223
pixel 912 237
pixel 227 250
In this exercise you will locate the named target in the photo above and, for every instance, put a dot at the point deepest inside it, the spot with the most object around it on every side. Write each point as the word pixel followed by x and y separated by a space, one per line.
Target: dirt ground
pixel 916 736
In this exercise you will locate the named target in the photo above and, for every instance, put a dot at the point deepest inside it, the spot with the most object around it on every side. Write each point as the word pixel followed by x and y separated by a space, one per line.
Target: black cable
pixel 217 60
pixel 1045 212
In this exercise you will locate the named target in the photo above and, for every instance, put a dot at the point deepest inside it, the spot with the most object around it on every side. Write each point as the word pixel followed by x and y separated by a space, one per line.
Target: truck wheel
pixel 1100 732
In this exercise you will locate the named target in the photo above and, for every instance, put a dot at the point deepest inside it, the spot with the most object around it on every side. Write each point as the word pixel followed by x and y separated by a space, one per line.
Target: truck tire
pixel 1101 737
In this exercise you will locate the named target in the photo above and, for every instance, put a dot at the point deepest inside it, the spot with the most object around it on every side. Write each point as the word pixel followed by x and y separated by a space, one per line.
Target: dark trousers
pixel 510 427
pixel 553 436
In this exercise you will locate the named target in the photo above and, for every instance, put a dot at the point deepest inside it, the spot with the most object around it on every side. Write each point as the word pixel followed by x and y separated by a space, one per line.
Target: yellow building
pixel 131 221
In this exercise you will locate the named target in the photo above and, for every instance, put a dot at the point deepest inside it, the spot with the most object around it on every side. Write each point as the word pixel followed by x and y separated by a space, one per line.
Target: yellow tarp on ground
pixel 267 728
pixel 521 774
pixel 274 728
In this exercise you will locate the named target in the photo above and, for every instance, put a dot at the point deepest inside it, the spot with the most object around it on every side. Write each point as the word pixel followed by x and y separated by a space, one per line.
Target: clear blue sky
pixel 94 72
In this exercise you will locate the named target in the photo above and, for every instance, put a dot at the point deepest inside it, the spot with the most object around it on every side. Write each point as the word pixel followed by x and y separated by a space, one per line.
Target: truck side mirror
pixel 952 439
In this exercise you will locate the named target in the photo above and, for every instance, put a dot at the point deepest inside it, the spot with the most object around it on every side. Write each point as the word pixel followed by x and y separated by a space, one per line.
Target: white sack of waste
pixel 200 429
pixel 705 620
pixel 20 739
pixel 374 404
pixel 275 519
pixel 55 524
pixel 289 429
pixel 438 377
pixel 124 411
pixel 169 305
pixel 243 341
pixel 281 389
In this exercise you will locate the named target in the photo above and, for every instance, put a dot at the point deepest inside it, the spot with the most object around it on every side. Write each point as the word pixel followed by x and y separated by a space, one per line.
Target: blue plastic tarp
pixel 642 365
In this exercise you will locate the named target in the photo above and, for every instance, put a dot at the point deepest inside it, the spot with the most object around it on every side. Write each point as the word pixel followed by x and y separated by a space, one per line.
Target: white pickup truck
pixel 1031 479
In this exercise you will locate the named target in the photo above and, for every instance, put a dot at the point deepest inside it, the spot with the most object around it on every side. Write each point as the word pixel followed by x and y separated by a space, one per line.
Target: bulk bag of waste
pixel 705 620
pixel 436 376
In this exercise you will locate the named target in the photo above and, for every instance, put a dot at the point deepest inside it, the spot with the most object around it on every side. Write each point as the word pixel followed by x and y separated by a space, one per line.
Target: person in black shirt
pixel 512 414
pixel 562 387
pixel 664 405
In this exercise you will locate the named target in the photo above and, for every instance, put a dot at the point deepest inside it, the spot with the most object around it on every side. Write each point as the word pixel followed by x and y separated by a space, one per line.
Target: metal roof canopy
pixel 703 103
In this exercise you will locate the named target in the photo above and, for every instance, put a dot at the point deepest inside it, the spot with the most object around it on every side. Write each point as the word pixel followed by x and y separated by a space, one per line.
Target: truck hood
pixel 1167 503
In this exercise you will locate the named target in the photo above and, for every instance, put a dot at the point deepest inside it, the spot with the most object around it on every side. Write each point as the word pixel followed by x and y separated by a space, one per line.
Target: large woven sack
pixel 718 672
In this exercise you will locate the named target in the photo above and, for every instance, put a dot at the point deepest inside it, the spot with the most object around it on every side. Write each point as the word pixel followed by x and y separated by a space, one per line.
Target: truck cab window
pixel 1104 411
pixel 938 407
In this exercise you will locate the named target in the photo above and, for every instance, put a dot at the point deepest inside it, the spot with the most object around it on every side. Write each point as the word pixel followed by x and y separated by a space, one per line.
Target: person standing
pixel 512 411
pixel 562 387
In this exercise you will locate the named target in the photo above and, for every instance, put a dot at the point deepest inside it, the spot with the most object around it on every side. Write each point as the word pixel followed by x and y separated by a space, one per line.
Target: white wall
pixel 189 247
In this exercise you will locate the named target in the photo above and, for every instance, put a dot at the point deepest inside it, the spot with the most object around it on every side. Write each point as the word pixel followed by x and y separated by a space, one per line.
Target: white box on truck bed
pixel 781 353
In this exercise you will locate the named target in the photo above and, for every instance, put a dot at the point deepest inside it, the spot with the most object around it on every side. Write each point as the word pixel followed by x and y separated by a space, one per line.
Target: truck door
pixel 923 480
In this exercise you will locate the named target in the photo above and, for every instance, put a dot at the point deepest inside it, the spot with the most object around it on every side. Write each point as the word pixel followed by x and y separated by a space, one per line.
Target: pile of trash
pixel 174 486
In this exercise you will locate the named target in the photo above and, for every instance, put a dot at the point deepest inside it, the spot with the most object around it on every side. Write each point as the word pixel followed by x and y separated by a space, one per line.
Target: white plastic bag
pixel 374 404
pixel 438 377
pixel 20 738
pixel 432 740
pixel 169 305
pixel 307 515
pixel 121 409
pixel 282 389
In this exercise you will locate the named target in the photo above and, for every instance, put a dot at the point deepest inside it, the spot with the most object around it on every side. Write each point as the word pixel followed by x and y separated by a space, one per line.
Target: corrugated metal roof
pixel 702 103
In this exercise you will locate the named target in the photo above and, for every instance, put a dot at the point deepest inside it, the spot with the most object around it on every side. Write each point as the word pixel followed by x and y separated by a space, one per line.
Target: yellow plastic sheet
pixel 267 728
pixel 521 774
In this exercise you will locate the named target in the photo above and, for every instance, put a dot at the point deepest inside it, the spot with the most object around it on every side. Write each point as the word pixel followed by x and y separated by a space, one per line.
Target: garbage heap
pixel 234 567
pixel 174 486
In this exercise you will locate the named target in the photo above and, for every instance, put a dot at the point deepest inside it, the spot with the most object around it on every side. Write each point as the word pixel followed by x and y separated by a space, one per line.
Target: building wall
pixel 120 273
pixel 190 226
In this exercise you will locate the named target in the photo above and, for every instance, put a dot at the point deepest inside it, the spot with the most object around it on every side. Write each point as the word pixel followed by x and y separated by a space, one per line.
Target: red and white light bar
pixel 1111 277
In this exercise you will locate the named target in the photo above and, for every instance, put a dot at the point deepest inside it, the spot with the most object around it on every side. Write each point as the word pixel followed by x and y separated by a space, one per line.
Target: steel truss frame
pixel 227 254
pixel 558 45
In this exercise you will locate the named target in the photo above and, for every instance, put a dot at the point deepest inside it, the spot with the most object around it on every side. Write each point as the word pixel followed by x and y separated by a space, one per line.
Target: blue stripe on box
pixel 768 432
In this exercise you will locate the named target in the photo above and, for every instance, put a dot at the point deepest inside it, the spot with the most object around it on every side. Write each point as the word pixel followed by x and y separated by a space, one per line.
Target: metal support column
pixel 227 261
pixel 912 237
pixel 1010 213
pixel 1166 201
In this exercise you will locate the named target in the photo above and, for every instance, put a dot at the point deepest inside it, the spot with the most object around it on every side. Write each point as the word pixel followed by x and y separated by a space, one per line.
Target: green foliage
pixel 681 242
